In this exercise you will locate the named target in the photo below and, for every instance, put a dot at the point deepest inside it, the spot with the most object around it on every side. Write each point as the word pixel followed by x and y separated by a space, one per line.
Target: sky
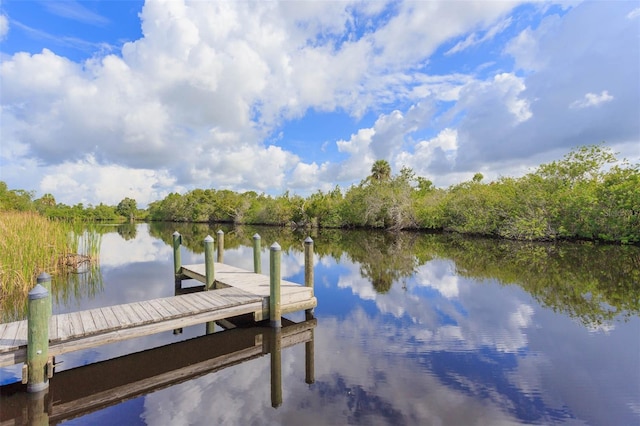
pixel 102 100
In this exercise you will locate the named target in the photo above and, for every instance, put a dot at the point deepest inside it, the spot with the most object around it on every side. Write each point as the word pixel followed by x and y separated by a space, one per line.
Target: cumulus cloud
pixel 197 97
pixel 524 116
pixel 592 100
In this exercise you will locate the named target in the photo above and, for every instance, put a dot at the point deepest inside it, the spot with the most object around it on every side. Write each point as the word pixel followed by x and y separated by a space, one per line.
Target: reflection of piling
pixel 275 312
pixel 220 246
pixel 257 267
pixel 309 354
pixel 308 267
pixel 208 263
pixel 38 339
pixel 177 261
pixel 38 408
pixel 276 367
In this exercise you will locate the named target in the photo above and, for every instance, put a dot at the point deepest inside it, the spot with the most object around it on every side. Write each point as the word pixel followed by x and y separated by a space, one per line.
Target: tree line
pixel 588 194
pixel 21 200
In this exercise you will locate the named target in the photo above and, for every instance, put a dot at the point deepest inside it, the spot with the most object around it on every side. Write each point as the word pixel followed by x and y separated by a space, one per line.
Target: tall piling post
pixel 44 280
pixel 275 312
pixel 208 263
pixel 308 270
pixel 220 246
pixel 177 260
pixel 38 316
pixel 257 265
pixel 210 278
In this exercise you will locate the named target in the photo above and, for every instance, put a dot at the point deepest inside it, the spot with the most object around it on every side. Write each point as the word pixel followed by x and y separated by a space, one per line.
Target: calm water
pixel 411 329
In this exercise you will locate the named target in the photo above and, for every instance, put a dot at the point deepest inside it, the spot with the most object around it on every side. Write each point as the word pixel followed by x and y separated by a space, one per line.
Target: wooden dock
pixel 113 381
pixel 293 297
pixel 240 292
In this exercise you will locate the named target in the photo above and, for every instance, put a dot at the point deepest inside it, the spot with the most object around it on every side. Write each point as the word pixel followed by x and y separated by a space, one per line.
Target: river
pixel 412 329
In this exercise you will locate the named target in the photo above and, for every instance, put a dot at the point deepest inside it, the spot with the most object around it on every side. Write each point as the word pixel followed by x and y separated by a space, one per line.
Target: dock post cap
pixel 308 240
pixel 275 247
pixel 175 234
pixel 208 239
pixel 256 236
pixel 38 292
pixel 43 277
pixel 220 231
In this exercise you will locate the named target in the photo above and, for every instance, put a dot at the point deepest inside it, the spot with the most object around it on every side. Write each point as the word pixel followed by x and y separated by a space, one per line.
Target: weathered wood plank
pixel 111 318
pixel 9 334
pixel 53 328
pixel 120 316
pixel 153 313
pixel 215 297
pixel 173 309
pixel 99 319
pixel 194 299
pixel 75 321
pixel 64 326
pixel 141 312
pixel 181 304
pixel 21 335
pixel 88 324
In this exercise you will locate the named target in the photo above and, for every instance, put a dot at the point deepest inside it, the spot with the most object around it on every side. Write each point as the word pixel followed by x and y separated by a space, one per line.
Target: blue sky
pixel 103 100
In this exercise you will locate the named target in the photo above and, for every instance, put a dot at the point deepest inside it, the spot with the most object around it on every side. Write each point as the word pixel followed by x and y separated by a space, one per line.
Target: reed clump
pixel 29 244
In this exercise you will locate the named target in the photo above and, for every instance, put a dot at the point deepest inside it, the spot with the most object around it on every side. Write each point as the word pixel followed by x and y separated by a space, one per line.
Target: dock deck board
pixel 237 292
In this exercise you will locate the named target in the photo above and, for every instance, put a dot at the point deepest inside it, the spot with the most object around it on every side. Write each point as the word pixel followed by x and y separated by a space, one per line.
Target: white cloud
pixel 109 184
pixel 518 118
pixel 4 27
pixel 75 11
pixel 634 13
pixel 473 39
pixel 437 153
pixel 195 98
pixel 592 100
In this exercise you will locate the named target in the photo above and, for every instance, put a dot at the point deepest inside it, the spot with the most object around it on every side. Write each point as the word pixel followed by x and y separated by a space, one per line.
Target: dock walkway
pixel 238 292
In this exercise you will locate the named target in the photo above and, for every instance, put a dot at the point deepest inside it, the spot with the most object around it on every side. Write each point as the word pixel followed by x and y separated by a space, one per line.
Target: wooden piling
pixel 39 313
pixel 210 280
pixel 275 311
pixel 177 261
pixel 308 268
pixel 308 262
pixel 220 246
pixel 208 263
pixel 257 265
pixel 44 280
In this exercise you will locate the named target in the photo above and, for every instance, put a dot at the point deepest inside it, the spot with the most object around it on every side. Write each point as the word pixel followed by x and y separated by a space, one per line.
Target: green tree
pixel 127 208
pixel 15 199
pixel 380 171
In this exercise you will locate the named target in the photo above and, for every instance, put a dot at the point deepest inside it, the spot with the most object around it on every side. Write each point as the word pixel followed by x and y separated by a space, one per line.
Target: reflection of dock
pixel 72 394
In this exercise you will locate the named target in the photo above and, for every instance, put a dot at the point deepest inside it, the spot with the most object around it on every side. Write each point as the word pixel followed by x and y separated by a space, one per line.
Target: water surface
pixel 411 329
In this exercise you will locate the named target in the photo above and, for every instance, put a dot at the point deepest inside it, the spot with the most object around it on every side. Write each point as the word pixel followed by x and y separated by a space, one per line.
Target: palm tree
pixel 380 171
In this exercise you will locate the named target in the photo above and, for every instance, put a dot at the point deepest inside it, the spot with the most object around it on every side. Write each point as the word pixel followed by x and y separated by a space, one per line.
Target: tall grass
pixel 31 244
